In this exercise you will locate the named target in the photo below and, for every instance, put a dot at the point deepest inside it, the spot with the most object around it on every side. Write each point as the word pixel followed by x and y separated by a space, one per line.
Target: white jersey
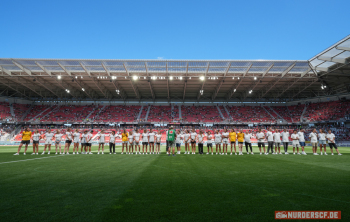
pixel 58 136
pixel 269 136
pixel 131 137
pixel 200 138
pixel 285 137
pixel 152 136
pixel 210 138
pixel 88 137
pixel 137 136
pixel 159 138
pixel 225 135
pixel 193 135
pixel 218 138
pixel 331 137
pixel 102 137
pixel 112 138
pixel 68 136
pixel 186 137
pixel 144 137
pixel 322 136
pixel 83 138
pixel 313 137
pixel 260 137
pixel 277 137
pixel 76 137
pixel 36 136
pixel 295 138
pixel 178 138
pixel 48 136
pixel 248 137
pixel 301 136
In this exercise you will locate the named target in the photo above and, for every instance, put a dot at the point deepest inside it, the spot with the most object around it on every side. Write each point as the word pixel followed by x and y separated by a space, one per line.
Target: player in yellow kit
pixel 125 136
pixel 240 138
pixel 233 137
pixel 26 135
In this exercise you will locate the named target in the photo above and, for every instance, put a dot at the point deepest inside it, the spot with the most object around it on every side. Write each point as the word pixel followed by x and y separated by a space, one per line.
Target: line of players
pixel 132 141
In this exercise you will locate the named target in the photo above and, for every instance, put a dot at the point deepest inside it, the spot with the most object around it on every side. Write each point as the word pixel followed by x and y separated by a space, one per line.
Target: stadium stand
pixel 20 110
pixel 118 114
pixel 159 114
pixel 5 112
pixel 249 114
pixel 323 111
pixel 200 114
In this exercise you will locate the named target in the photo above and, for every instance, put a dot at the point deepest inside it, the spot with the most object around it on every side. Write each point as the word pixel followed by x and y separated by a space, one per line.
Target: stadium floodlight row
pixel 134 139
pixel 177 80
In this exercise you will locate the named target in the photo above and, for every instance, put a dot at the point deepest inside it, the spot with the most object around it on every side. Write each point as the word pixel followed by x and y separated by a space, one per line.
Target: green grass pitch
pixel 162 188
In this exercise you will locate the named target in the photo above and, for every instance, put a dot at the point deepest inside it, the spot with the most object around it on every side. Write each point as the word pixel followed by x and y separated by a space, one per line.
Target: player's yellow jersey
pixel 240 137
pixel 26 135
pixel 232 136
pixel 125 136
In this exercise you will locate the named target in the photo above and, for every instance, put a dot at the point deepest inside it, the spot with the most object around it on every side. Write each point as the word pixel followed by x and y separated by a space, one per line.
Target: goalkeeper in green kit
pixel 171 136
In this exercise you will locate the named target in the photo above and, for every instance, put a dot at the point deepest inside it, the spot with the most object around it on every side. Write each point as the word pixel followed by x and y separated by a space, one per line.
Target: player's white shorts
pixel 296 144
pixel 131 142
pixel 217 142
pixel 76 141
pixel 136 143
pixel 225 141
pixel 48 142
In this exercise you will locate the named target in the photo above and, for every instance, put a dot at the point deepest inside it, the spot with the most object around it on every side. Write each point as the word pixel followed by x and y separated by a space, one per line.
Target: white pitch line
pixel 29 159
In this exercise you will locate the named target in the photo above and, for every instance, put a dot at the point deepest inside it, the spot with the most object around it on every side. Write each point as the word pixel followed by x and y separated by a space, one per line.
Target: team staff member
pixel 26 135
pixel 240 138
pixel 125 136
pixel 331 142
pixel 233 138
pixel 36 138
pixel 171 135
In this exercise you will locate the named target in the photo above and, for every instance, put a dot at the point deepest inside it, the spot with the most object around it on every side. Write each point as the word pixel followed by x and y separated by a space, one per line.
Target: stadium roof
pixel 177 80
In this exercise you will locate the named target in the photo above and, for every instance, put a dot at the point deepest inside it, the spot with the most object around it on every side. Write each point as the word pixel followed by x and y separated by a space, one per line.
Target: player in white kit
pixel 302 141
pixel 313 140
pixel 187 141
pixel 101 141
pixel 137 137
pixel 76 139
pixel 218 141
pixel 69 138
pixel 48 140
pixel 131 142
pixel 224 141
pixel 277 140
pixel 193 138
pixel 58 138
pixel 83 142
pixel 331 142
pixel 159 139
pixel 322 141
pixel 260 136
pixel 36 138
pixel 178 139
pixel 210 141
pixel 151 141
pixel 88 142
pixel 295 142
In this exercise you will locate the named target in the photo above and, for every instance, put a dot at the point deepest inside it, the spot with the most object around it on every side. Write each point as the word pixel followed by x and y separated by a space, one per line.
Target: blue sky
pixel 283 30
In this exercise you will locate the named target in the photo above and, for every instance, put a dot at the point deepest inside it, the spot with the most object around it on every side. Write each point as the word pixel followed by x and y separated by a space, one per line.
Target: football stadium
pixel 176 139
